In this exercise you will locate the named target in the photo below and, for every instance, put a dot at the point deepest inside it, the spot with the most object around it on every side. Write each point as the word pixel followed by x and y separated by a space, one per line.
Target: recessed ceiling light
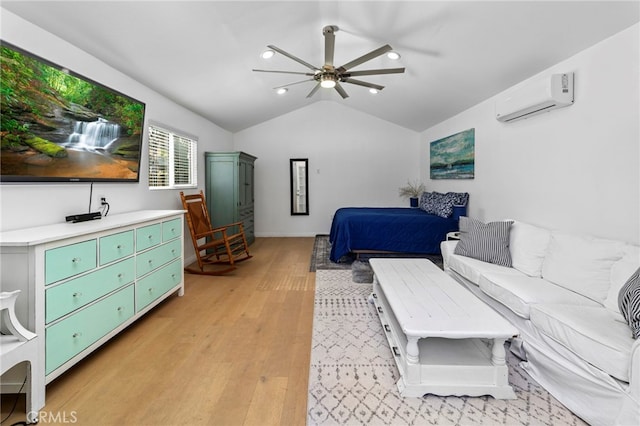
pixel 393 55
pixel 267 54
pixel 282 91
pixel 373 91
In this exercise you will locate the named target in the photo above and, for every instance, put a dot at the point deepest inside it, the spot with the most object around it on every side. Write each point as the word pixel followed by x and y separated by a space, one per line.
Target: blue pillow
pixel 442 204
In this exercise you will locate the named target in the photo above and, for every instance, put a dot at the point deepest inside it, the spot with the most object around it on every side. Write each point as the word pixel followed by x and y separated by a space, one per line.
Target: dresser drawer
pixel 116 246
pixel 249 234
pixel 148 236
pixel 245 213
pixel 153 259
pixel 171 229
pixel 67 261
pixel 76 293
pixel 156 284
pixel 72 335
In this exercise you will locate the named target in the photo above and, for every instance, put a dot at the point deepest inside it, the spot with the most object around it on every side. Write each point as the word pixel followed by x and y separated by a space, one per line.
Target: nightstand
pixel 453 236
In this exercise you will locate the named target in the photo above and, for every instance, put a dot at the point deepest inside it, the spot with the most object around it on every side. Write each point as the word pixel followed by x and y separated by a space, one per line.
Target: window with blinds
pixel 172 159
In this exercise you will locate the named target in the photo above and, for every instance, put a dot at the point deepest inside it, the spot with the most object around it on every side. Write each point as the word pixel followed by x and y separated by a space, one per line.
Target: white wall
pixel 354 159
pixel 576 168
pixel 26 205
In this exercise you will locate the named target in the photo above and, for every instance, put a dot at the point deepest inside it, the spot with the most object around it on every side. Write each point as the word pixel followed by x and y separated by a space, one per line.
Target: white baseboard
pixel 13 379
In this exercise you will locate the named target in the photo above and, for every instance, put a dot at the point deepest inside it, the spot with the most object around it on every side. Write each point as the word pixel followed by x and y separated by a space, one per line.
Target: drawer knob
pixel 379 309
pixel 387 328
pixel 151 290
pixel 120 308
pixel 76 335
pixel 150 261
pixel 375 296
pixel 119 246
pixel 77 294
pixel 76 260
pixel 150 236
pixel 396 352
pixel 120 275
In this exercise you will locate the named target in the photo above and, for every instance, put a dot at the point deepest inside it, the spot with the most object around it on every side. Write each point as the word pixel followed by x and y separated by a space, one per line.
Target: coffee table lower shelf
pixel 470 366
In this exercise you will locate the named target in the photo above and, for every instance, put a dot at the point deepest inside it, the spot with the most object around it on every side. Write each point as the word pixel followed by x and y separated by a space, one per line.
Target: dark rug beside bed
pixel 361 271
pixel 320 256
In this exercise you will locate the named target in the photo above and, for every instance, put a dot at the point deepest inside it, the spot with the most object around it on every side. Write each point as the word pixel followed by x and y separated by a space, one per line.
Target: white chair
pixel 21 346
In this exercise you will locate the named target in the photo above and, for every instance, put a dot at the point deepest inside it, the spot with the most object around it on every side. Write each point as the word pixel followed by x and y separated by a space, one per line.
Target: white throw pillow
pixel 620 273
pixel 582 264
pixel 528 246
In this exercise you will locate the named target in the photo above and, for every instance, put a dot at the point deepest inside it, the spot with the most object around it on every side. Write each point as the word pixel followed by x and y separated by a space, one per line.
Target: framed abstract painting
pixel 453 157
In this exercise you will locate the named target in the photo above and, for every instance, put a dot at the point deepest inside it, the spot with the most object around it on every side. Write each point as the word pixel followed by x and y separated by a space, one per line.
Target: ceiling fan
pixel 328 76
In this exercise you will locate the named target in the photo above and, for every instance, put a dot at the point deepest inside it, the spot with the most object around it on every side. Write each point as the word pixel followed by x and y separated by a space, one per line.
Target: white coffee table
pixel 444 339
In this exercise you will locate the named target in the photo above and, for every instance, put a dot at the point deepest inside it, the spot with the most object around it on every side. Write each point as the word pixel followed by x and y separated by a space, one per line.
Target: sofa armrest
pixel 446 248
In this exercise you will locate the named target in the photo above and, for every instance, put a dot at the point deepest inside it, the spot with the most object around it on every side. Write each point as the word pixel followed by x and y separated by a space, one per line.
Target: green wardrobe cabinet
pixel 229 189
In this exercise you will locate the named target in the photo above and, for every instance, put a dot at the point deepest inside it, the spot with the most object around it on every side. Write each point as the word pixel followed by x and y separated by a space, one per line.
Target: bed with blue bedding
pixel 391 229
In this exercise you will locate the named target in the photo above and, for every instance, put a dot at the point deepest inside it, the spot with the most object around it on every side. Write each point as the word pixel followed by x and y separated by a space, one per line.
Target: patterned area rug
pixel 352 380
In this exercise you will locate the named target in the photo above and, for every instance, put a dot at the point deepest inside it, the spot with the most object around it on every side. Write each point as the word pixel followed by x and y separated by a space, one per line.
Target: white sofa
pixel 562 294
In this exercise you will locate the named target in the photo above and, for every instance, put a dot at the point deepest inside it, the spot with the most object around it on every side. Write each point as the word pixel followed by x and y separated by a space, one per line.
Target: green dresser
pixel 68 337
pixel 229 189
pixel 84 283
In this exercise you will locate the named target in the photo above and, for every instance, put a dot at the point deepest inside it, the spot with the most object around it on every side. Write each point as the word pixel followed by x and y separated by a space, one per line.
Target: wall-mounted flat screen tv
pixel 58 126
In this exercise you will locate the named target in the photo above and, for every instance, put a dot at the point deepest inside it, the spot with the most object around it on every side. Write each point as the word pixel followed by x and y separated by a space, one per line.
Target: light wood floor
pixel 234 350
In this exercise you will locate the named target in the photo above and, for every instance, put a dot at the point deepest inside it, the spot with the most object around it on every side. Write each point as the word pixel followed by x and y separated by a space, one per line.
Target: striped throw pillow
pixel 487 242
pixel 629 302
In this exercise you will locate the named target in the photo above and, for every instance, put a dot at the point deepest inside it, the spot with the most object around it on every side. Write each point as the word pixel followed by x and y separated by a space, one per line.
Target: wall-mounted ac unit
pixel 535 97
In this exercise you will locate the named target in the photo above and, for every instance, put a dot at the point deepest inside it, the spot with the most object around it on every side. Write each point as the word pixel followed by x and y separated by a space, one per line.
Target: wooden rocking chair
pixel 213 246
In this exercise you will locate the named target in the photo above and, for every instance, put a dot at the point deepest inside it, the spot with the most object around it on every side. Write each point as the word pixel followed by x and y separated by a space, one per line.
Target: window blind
pixel 172 159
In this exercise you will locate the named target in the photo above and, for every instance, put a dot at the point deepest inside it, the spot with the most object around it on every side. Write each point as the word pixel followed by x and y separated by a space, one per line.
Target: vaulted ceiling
pixel 201 53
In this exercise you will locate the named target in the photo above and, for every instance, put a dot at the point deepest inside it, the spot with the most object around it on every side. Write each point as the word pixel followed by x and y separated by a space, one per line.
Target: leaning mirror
pixel 299 186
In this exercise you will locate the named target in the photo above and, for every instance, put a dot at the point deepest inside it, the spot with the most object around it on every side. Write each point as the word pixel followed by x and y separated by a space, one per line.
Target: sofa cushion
pixel 629 301
pixel 590 333
pixel 620 273
pixel 487 242
pixel 528 247
pixel 581 264
pixel 520 292
pixel 473 269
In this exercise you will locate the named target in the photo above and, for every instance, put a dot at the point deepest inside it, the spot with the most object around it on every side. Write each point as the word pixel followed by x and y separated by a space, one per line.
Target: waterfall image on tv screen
pixel 60 126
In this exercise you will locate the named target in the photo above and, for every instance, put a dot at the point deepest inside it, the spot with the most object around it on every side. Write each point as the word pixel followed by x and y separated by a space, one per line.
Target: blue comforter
pixel 405 230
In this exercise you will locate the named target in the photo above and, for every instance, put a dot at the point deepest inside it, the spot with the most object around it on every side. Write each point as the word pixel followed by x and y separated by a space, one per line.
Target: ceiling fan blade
pixel 314 90
pixel 292 84
pixel 286 72
pixel 374 72
pixel 340 90
pixel 364 58
pixel 363 83
pixel 295 58
pixel 329 43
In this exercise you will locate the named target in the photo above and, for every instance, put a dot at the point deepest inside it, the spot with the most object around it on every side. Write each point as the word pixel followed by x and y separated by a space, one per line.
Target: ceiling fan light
pixel 393 55
pixel 267 54
pixel 374 91
pixel 281 91
pixel 328 81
